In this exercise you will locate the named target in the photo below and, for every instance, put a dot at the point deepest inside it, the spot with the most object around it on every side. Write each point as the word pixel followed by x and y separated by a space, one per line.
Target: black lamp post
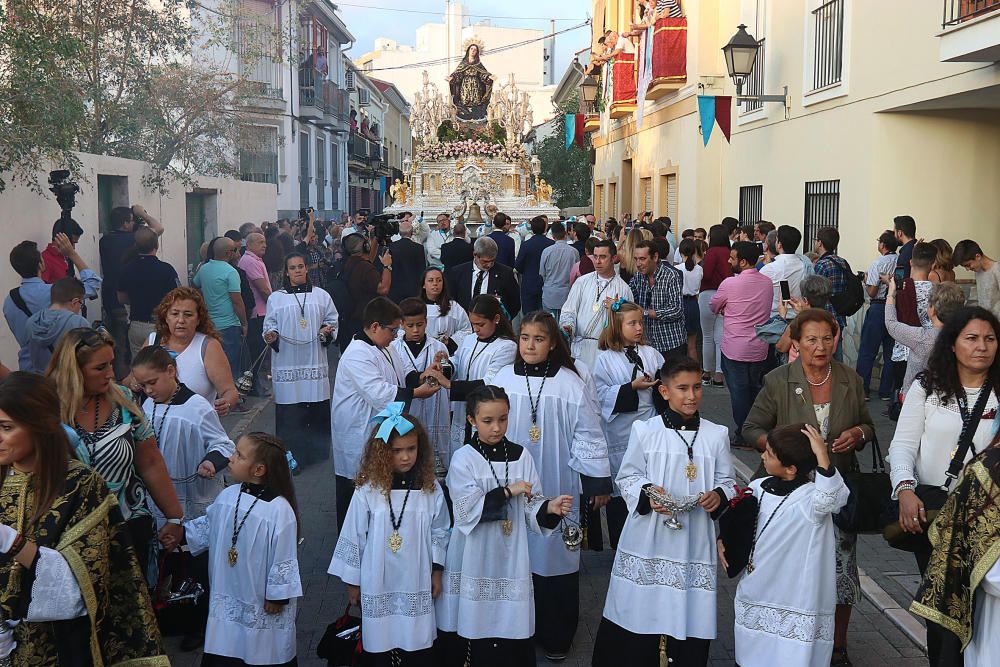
pixel 740 54
pixel 588 91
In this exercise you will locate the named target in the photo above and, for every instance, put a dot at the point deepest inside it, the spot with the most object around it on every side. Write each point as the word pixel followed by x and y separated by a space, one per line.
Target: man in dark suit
pixel 457 251
pixel 527 263
pixel 505 244
pixel 484 275
pixel 408 264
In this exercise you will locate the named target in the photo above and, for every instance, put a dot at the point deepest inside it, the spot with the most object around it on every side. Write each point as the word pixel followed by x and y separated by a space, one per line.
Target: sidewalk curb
pixel 901 618
pixel 241 426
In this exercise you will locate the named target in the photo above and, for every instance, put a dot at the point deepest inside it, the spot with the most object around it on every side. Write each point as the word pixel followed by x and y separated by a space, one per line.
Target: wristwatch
pixel 176 522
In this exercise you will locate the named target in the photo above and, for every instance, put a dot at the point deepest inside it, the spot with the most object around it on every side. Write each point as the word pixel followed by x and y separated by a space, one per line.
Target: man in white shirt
pixel 436 239
pixel 786 266
pixel 582 315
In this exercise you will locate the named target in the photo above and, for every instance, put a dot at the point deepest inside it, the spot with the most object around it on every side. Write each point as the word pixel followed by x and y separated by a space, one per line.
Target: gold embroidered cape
pixel 966 541
pixel 85 526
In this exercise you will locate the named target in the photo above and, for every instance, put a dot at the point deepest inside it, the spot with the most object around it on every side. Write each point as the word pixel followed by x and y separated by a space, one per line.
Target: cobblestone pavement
pixel 874 637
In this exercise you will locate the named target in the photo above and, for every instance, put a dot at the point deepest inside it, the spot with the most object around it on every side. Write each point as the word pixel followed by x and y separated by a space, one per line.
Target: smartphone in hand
pixel 786 291
pixel 898 276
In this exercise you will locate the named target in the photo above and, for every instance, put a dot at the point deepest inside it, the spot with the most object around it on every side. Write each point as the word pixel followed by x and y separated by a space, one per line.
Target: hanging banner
pixel 706 111
pixel 724 113
pixel 580 119
pixel 570 123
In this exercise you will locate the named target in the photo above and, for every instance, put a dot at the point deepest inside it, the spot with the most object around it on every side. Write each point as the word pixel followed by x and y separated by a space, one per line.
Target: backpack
pixel 249 302
pixel 849 301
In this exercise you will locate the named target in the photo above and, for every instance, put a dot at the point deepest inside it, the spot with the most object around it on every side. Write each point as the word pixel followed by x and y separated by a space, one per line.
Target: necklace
pixel 302 308
pixel 233 553
pixel 396 540
pixel 597 300
pixel 534 432
pixel 163 420
pixel 506 525
pixel 829 373
pixel 690 470
pixel 753 546
pixel 476 355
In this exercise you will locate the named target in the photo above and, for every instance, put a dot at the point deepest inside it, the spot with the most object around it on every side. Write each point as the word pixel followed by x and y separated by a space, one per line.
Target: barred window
pixel 753 86
pixel 828 44
pixel 258 154
pixel 751 203
pixel 822 209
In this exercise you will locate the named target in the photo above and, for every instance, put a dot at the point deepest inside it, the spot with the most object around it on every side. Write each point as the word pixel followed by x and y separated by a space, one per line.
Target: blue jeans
pixel 873 336
pixel 744 380
pixel 232 344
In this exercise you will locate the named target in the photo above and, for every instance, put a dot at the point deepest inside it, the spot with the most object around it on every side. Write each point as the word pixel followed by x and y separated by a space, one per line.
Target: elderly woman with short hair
pixel 816 293
pixel 818 390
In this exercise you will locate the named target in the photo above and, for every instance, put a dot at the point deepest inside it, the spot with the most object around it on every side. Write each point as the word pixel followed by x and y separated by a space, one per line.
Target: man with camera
pixel 113 246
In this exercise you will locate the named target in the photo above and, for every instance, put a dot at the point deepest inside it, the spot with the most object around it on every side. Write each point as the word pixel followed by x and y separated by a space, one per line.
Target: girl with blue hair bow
pixel 392 547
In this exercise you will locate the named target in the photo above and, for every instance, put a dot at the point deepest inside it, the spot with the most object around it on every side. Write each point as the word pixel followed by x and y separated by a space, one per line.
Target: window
pixel 320 174
pixel 258 154
pixel 646 192
pixel 751 203
pixel 612 200
pixel 828 44
pixel 754 84
pixel 599 201
pixel 822 209
pixel 258 41
pixel 305 174
pixel 112 191
pixel 668 198
pixel 334 175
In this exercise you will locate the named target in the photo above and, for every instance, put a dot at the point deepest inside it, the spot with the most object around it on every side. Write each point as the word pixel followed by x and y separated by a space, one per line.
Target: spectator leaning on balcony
pixel 33 295
pixel 113 246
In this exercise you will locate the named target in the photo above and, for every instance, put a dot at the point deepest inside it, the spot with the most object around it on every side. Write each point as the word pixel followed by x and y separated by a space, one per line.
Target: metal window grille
pixel 668 194
pixel 958 11
pixel 822 209
pixel 320 174
pixel 646 187
pixel 334 175
pixel 258 154
pixel 828 44
pixel 613 200
pixel 751 203
pixel 753 86
pixel 305 173
pixel 258 48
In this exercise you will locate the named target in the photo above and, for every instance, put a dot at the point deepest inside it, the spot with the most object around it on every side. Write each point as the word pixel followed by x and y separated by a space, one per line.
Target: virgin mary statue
pixel 471 86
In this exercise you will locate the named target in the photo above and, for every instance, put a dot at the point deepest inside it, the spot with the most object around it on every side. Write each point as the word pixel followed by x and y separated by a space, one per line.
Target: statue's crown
pixel 469 42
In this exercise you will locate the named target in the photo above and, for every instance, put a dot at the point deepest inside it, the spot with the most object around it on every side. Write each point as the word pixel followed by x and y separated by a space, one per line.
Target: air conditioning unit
pixel 364 97
pixel 349 80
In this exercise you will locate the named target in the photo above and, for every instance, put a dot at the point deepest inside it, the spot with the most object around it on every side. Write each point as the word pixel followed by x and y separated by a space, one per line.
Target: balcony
pixel 971 31
pixel 313 97
pixel 624 84
pixel 264 81
pixel 362 151
pixel 338 107
pixel 669 57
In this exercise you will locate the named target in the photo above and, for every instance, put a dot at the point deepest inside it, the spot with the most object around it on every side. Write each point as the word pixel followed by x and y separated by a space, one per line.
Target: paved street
pixel 874 637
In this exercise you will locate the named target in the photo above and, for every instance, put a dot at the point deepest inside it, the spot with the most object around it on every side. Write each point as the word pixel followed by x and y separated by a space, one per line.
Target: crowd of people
pixel 527 384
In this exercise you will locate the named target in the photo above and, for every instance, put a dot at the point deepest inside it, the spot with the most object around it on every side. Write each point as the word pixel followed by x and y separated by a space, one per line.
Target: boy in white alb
pixel 370 375
pixel 664 578
pixel 421 351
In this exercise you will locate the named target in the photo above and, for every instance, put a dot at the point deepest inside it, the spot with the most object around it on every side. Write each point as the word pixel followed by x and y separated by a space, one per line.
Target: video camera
pixel 384 227
pixel 65 192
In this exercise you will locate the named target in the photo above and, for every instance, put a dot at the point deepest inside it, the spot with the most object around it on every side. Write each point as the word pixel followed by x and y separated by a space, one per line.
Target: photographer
pixel 113 246
pixel 363 281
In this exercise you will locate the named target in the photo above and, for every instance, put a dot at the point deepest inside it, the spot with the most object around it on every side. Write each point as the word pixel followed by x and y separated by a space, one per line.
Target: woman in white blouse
pixel 962 365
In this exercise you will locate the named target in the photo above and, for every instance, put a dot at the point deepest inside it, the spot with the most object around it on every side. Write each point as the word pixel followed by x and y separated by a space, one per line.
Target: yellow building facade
pixel 890 110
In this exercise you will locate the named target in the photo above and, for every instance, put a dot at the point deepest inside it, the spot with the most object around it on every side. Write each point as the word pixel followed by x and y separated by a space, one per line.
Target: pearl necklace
pixel 829 373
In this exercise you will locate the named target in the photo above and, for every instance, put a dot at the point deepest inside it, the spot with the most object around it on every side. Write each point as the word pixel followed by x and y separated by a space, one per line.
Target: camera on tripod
pixel 384 227
pixel 65 192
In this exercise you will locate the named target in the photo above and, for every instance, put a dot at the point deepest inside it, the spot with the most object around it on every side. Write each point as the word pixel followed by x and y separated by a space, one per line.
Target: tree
pixel 151 80
pixel 569 172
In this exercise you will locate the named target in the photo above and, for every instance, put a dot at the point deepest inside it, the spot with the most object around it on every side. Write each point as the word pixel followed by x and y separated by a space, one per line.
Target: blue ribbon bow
pixel 392 419
pixel 615 307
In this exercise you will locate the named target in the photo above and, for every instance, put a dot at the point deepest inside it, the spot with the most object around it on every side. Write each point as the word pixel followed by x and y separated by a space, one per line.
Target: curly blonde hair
pixel 205 325
pixel 72 353
pixel 376 463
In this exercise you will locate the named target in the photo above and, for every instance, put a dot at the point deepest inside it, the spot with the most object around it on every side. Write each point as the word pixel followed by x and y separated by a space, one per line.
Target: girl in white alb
pixel 447 321
pixel 391 550
pixel 624 376
pixel 486 611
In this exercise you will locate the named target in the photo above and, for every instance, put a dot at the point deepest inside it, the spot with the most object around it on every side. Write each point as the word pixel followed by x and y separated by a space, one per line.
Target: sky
pixel 368 19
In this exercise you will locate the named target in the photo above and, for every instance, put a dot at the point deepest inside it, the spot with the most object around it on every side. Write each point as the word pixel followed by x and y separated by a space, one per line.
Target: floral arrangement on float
pixel 456 142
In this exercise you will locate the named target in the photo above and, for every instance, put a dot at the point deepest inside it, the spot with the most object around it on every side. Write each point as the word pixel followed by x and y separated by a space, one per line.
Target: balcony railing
pixel 958 11
pixel 361 149
pixel 265 78
pixel 828 44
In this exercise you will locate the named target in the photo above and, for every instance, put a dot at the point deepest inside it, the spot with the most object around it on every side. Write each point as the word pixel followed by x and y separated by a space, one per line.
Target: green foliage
pixel 569 172
pixel 493 133
pixel 133 79
pixel 447 132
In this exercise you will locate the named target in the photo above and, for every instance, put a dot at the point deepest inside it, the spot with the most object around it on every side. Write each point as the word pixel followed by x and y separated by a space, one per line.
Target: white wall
pixel 28 216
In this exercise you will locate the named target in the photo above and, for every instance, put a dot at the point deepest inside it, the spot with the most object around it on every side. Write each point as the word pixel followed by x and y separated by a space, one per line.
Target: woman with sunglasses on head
pixel 113 437
pixel 68 575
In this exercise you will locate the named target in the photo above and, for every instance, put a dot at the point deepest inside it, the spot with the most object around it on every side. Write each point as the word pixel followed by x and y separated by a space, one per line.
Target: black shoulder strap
pixel 965 439
pixel 15 296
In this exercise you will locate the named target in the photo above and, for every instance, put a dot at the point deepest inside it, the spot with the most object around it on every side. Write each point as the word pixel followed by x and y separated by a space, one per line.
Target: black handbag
pixel 866 506
pixel 934 497
pixel 736 530
pixel 341 643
